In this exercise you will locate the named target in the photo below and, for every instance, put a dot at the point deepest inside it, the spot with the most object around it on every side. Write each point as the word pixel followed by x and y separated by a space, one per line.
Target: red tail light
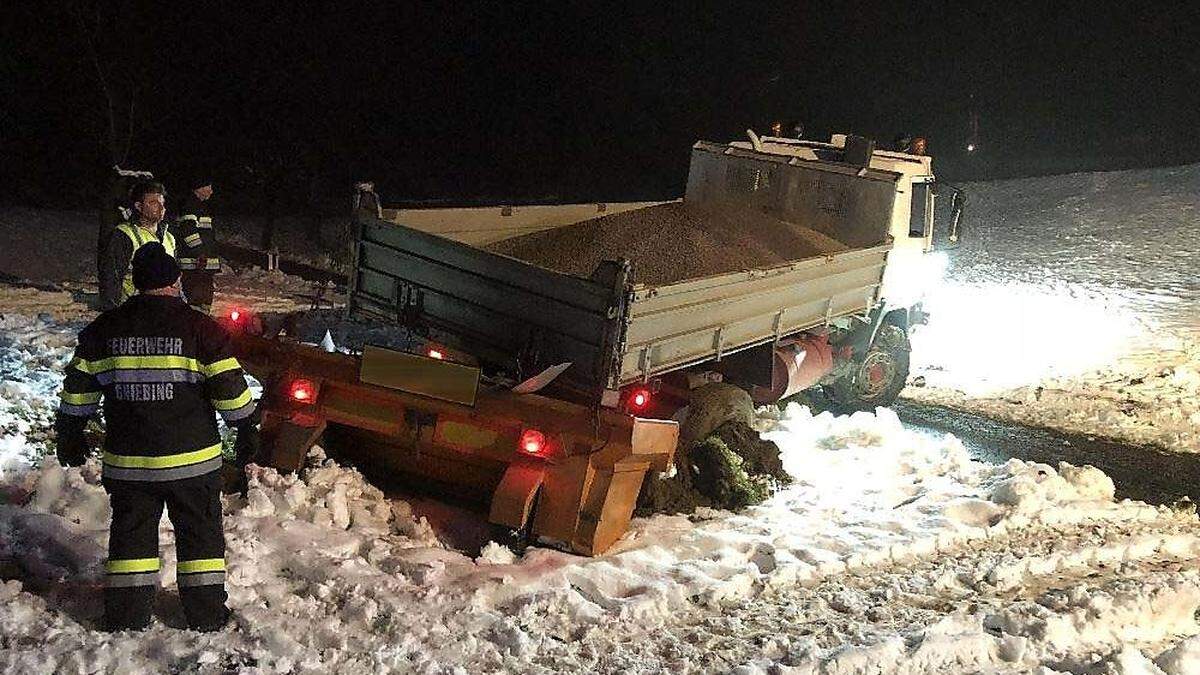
pixel 533 442
pixel 436 354
pixel 639 399
pixel 302 391
pixel 235 315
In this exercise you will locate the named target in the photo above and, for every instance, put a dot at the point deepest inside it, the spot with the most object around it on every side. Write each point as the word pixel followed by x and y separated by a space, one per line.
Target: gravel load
pixel 671 242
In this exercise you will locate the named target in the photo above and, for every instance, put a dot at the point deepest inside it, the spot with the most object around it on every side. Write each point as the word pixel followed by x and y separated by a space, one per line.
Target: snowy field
pixel 1074 303
pixel 893 552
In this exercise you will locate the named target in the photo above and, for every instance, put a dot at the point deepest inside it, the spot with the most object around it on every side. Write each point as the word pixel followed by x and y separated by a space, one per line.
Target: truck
pixel 547 398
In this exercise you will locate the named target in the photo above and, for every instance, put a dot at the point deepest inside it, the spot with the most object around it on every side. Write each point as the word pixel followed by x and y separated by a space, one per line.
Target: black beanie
pixel 153 267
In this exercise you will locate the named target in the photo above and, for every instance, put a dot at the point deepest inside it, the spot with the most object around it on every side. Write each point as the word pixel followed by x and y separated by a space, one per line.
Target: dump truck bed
pixel 483 225
pixel 521 318
pixel 672 242
pixel 705 319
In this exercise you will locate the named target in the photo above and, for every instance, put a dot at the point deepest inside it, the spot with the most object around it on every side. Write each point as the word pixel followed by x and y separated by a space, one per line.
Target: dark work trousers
pixel 198 288
pixel 194 507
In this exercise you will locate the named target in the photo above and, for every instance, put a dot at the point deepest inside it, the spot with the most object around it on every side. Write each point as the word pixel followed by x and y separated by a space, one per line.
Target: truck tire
pixel 711 406
pixel 876 380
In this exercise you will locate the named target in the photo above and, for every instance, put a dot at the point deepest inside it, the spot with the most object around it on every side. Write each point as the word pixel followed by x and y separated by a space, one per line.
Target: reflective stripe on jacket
pixel 139 237
pixel 163 372
pixel 195 230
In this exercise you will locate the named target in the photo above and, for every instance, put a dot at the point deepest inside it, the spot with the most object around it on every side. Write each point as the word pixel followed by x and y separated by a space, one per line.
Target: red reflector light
pixel 302 391
pixel 533 442
pixel 435 354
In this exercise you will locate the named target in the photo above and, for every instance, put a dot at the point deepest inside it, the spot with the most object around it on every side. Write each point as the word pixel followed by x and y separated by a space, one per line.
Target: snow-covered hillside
pixel 1075 303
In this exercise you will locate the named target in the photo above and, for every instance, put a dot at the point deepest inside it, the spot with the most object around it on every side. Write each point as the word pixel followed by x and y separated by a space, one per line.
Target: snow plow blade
pixel 584 502
pixel 566 474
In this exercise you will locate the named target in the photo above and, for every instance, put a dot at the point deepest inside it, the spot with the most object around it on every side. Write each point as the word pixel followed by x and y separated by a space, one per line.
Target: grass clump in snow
pixel 720 474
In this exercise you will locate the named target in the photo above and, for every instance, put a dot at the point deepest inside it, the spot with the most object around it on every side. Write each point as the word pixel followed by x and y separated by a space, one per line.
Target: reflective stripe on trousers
pixel 162 468
pixel 131 572
pixel 205 572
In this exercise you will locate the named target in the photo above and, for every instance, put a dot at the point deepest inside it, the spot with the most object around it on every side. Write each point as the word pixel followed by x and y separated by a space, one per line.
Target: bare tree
pixel 116 81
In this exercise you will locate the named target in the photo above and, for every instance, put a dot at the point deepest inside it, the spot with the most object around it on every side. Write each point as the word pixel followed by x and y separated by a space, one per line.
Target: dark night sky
pixel 513 101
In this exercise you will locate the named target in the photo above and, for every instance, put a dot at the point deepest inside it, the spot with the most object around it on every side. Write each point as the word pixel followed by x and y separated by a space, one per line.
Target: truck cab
pixel 915 262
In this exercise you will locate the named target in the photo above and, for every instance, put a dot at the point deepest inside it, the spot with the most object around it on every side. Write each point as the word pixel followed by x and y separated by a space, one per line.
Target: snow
pixel 37 243
pixel 892 552
pixel 1074 304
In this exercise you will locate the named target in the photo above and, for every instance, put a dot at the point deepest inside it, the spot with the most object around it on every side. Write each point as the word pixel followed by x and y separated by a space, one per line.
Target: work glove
pixel 247 447
pixel 234 480
pixel 245 450
pixel 72 446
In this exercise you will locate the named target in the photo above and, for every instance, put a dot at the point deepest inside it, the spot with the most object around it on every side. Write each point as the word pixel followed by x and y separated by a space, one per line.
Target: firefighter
pixel 365 203
pixel 198 257
pixel 114 209
pixel 116 272
pixel 161 370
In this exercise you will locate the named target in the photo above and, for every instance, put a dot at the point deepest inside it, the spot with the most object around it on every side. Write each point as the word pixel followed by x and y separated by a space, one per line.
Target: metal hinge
pixel 645 362
pixel 406 299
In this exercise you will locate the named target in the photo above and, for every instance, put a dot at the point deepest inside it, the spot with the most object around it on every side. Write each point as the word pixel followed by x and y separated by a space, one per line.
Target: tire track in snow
pixel 1021 589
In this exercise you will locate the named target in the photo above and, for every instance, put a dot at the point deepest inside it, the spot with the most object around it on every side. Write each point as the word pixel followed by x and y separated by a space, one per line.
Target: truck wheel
pixel 877 379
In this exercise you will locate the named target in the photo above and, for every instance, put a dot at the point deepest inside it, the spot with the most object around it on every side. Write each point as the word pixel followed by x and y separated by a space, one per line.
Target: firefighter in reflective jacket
pixel 114 209
pixel 198 257
pixel 116 272
pixel 162 371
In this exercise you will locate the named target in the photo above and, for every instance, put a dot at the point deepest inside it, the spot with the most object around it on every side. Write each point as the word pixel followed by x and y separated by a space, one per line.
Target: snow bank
pixel 326 573
pixel 1140 402
pixel 33 352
